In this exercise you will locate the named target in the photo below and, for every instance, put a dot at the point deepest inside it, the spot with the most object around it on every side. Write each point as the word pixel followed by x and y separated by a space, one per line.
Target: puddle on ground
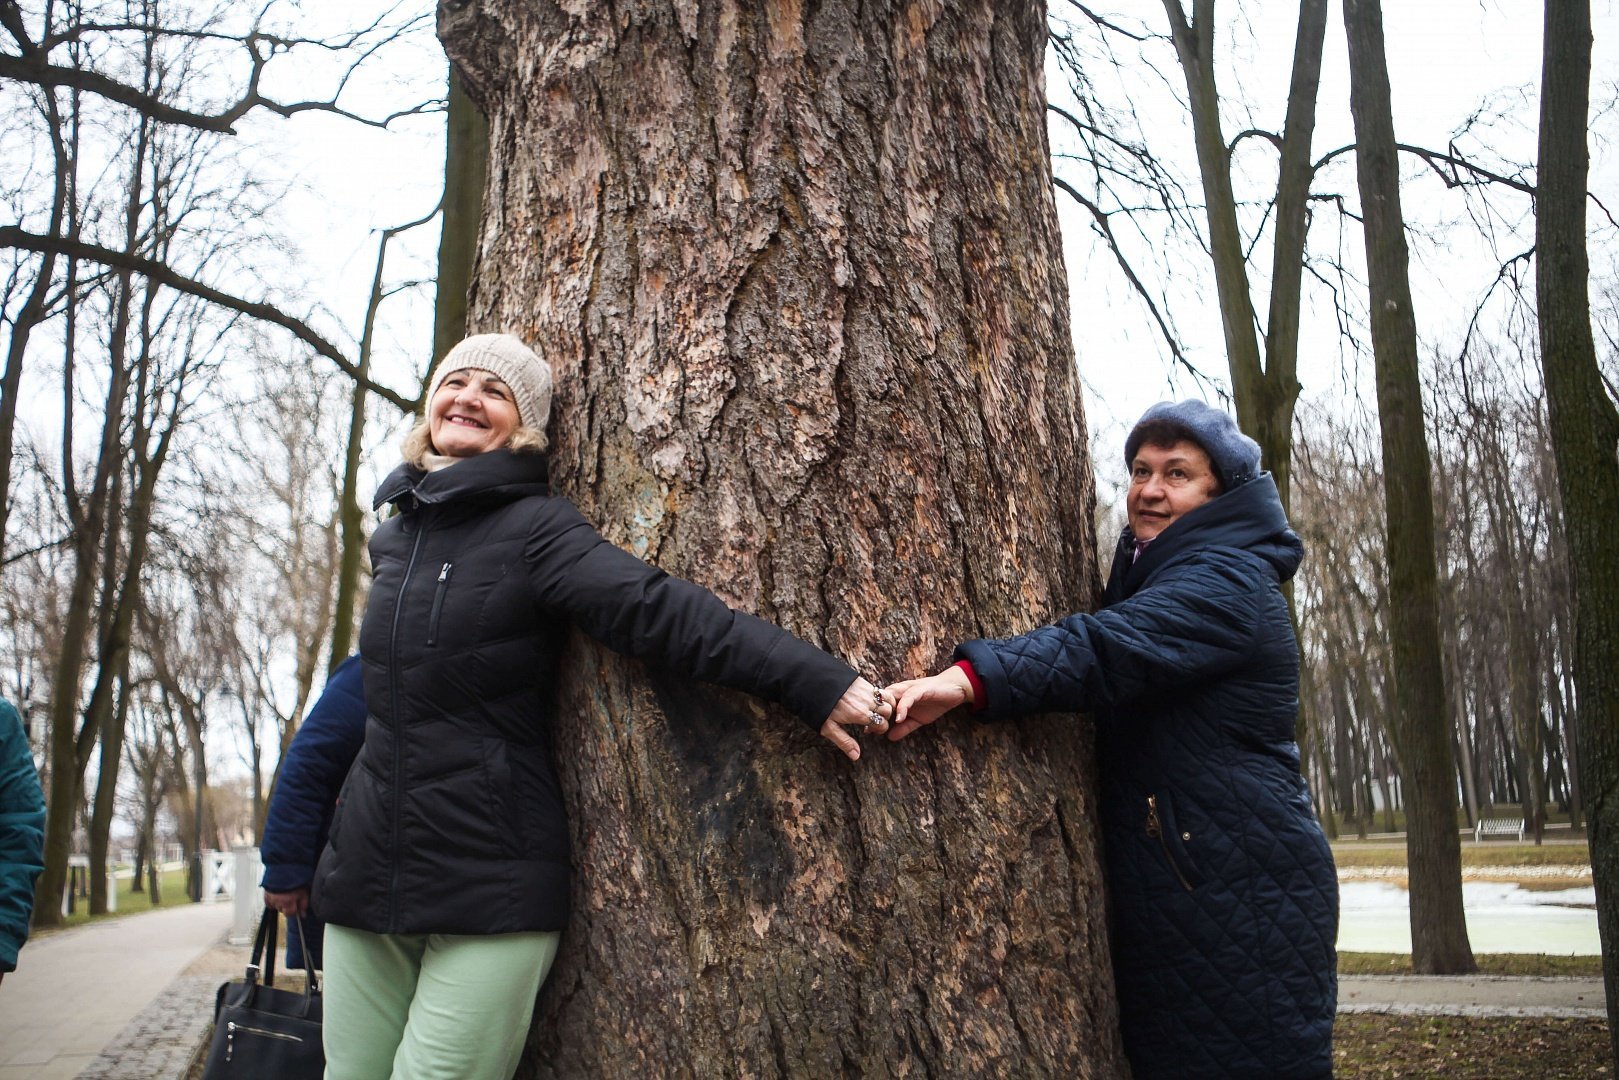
pixel 1501 917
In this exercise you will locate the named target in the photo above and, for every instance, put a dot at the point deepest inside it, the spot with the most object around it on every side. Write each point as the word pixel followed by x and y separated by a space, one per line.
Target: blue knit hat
pixel 1235 455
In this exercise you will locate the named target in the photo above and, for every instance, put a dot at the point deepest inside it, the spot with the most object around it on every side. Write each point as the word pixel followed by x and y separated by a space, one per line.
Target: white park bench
pixel 1498 826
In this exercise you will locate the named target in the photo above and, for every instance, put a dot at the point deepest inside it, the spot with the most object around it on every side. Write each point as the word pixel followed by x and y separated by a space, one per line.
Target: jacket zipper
pixel 1156 830
pixel 399 734
pixel 231 1028
pixel 438 603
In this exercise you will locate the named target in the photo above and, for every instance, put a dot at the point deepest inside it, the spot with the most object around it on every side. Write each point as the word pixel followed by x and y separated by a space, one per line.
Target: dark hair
pixel 1165 433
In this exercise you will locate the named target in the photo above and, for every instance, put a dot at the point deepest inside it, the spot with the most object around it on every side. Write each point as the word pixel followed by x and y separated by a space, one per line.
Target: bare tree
pixel 1585 435
pixel 1433 853
pixel 151 766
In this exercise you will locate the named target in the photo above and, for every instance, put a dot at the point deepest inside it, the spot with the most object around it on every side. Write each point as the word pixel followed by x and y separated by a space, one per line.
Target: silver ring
pixel 874 720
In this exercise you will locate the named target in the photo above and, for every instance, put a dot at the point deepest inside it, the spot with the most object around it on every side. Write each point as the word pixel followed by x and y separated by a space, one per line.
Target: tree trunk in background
pixel 104 804
pixel 799 276
pixel 1585 433
pixel 1421 730
pixel 466 171
pixel 1264 385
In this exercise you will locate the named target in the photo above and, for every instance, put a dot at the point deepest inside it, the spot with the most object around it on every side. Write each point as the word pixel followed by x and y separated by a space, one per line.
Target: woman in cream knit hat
pixel 445 880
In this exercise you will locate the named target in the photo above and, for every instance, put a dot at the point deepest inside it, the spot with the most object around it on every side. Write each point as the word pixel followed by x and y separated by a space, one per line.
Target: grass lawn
pixel 130 902
pixel 1358 853
pixel 1536 964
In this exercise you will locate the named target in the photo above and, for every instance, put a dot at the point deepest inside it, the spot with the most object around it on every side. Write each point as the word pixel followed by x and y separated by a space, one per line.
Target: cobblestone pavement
pixel 160 1043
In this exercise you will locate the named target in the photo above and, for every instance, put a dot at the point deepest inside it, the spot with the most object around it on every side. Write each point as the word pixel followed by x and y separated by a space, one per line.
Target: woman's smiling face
pixel 472 412
pixel 1166 482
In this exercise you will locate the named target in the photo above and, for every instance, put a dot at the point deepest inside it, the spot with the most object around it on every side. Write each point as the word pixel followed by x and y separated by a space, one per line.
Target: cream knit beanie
pixel 518 366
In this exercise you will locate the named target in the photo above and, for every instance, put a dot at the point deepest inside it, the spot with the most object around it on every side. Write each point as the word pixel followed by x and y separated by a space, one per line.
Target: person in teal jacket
pixel 22 835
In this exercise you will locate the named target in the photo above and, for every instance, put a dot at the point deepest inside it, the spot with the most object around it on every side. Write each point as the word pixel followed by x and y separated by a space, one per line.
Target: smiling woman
pixel 1167 480
pixel 445 878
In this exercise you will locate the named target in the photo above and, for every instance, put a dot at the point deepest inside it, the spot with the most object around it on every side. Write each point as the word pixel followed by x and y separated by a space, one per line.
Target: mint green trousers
pixel 430 1006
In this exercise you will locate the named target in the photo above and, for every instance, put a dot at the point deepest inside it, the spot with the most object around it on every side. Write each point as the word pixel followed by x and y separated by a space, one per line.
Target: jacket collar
pixel 1249 517
pixel 500 475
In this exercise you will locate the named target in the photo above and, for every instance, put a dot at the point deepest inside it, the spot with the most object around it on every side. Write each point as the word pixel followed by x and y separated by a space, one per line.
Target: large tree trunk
pixel 799 276
pixel 1585 433
pixel 1439 942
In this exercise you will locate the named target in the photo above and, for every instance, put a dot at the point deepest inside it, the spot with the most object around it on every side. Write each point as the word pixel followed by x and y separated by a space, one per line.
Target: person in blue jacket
pixel 22 835
pixel 1223 895
pixel 305 796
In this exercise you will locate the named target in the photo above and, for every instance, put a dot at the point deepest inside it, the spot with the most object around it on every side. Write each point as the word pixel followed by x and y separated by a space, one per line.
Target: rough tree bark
pixel 1585 440
pixel 1421 726
pixel 798 273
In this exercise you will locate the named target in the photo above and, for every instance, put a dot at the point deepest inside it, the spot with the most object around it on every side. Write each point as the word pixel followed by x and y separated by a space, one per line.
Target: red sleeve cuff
pixel 979 701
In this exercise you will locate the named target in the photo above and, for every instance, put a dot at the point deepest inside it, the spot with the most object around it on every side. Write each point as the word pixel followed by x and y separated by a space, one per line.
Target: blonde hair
pixel 419 442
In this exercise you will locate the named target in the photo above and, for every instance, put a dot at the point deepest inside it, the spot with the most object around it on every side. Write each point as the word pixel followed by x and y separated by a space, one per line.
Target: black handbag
pixel 261 1032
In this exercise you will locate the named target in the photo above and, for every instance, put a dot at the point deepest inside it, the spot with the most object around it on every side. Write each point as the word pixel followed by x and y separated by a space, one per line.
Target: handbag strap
pixel 311 986
pixel 264 947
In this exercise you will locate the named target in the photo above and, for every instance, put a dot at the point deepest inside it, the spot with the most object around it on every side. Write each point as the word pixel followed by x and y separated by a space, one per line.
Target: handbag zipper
pixel 232 1027
pixel 438 604
pixel 1156 831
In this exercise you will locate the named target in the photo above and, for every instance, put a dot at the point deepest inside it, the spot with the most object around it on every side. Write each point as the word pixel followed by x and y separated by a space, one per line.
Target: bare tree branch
pixel 1099 216
pixel 53 75
pixel 1438 161
pixel 32 64
pixel 1106 24
pixel 16 237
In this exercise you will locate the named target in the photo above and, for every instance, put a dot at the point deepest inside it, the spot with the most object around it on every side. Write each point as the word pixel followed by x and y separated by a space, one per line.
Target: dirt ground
pixel 1367 1046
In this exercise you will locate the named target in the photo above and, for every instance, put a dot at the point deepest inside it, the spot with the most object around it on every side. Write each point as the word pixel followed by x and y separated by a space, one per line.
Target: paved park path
pixel 130 998
pixel 1471 995
pixel 78 991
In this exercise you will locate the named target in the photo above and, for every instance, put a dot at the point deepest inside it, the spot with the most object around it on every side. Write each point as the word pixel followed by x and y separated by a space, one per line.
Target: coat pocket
pixel 1174 843
pixel 438 602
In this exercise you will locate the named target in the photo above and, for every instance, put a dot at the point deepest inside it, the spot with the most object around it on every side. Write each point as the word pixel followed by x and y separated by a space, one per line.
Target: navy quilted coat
pixel 1224 899
pixel 305 797
pixel 451 820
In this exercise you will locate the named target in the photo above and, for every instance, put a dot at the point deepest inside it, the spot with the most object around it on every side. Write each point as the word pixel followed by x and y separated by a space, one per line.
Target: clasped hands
pixel 897 709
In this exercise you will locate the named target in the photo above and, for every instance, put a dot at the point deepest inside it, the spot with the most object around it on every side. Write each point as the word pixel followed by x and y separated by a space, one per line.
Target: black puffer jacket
pixel 1224 900
pixel 451 820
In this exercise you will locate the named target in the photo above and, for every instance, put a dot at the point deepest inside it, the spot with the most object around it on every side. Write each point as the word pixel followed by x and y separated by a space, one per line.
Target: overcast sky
pixel 1447 59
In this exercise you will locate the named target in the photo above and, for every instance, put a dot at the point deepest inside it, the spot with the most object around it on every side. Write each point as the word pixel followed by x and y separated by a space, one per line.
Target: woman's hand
pixel 922 701
pixel 863 707
pixel 295 902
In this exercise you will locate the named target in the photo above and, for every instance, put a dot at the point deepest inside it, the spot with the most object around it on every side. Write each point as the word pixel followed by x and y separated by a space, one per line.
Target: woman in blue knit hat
pixel 1223 895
